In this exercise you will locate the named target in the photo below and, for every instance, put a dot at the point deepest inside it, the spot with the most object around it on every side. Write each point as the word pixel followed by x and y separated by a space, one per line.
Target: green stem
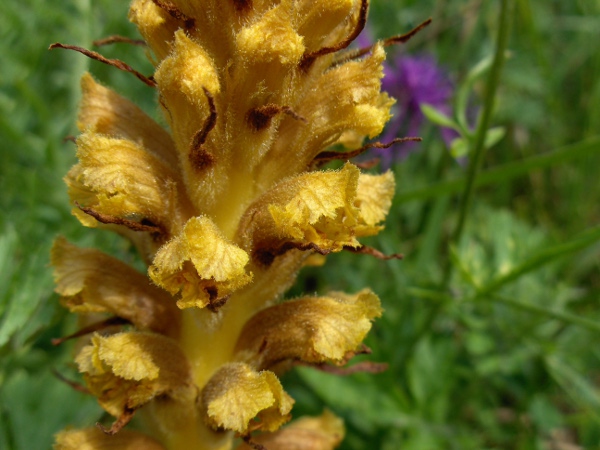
pixel 478 149
pixel 474 167
pixel 505 172
pixel 553 313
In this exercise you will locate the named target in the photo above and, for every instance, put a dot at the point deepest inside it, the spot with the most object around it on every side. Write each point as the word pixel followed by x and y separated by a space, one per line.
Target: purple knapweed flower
pixel 414 81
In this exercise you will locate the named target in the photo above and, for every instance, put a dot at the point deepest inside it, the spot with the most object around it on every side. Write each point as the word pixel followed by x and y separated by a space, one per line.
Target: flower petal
pixel 105 112
pixel 307 433
pixel 272 38
pixel 91 281
pixel 312 329
pixel 119 178
pixel 127 370
pixel 374 198
pixel 237 394
pixel 342 101
pixel 201 265
pixel 323 211
pixel 95 439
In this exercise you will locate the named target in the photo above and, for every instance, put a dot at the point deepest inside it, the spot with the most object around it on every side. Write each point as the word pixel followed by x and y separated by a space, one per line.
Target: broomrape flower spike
pixel 225 208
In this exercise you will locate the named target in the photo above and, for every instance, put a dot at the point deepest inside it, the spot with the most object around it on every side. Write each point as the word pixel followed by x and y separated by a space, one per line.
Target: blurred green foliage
pixel 502 355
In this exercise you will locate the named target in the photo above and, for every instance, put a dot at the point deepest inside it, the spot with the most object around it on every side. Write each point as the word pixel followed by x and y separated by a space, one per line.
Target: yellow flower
pixel 224 209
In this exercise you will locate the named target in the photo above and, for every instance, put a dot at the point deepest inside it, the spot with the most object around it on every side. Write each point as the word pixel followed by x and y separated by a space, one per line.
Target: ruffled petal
pixel 322 211
pixel 200 265
pixel 119 180
pixel 374 199
pixel 127 370
pixel 311 329
pixel 91 281
pixel 240 399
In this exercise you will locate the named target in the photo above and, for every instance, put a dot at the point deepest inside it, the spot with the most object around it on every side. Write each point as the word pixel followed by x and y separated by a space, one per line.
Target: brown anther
pixel 255 445
pixel 176 13
pixel 215 303
pixel 74 385
pixel 111 62
pixel 118 39
pixel 366 250
pixel 97 326
pixel 309 58
pixel 132 225
pixel 328 156
pixel 260 118
pixel 199 157
pixel 70 138
pixel 400 39
pixel 242 6
pixel 118 424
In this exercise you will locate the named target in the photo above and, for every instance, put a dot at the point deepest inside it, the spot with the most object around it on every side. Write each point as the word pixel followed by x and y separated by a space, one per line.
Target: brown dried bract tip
pixel 118 39
pixel 98 326
pixel 176 13
pixel 199 157
pixel 111 62
pixel 70 138
pixel 366 250
pixel 400 39
pixel 260 118
pixel 328 156
pixel 118 424
pixel 364 366
pixel 309 58
pixel 76 386
pixel 113 220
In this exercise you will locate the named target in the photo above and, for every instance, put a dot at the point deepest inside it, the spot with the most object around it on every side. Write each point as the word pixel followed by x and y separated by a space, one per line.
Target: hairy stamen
pixel 111 62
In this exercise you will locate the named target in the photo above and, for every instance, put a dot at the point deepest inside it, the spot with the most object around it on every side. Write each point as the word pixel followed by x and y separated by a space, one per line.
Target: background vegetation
pixel 491 333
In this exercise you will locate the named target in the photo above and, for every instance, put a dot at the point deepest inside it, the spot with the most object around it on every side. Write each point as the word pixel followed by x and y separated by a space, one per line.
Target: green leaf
pixel 439 118
pixel 506 171
pixel 459 147
pixel 493 136
pixel 582 392
pixel 542 258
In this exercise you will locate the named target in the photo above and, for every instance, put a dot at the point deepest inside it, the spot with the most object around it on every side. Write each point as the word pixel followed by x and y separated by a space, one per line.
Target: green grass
pixel 490 333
